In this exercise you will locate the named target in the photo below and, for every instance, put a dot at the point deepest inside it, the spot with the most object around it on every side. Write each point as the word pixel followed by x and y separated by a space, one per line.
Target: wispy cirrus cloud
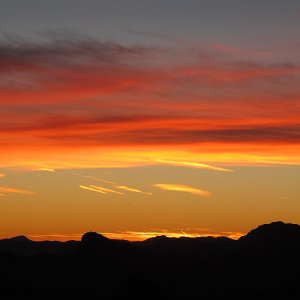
pixel 13 190
pixel 101 180
pixel 131 189
pixel 182 188
pixel 89 188
pixel 113 184
pixel 192 164
pixel 99 189
pixel 45 169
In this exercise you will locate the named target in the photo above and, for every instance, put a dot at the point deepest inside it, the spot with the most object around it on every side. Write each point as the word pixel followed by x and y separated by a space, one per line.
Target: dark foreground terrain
pixel 264 264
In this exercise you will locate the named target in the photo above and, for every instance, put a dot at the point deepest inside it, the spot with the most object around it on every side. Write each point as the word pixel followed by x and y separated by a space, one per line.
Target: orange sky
pixel 90 96
pixel 86 105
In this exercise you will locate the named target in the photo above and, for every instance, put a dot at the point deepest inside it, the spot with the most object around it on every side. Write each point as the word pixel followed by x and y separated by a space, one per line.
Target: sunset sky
pixel 136 118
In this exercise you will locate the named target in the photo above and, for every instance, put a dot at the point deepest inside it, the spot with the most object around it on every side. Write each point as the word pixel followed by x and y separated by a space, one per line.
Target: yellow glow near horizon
pixel 137 235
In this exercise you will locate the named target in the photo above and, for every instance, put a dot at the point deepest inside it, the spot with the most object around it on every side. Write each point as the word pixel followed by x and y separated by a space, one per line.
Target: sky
pixel 142 118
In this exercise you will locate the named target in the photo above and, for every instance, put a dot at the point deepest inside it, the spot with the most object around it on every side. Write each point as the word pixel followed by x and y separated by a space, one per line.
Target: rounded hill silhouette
pixel 93 237
pixel 274 232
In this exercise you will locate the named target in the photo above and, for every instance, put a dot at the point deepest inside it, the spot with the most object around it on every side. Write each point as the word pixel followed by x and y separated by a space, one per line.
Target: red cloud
pixel 91 95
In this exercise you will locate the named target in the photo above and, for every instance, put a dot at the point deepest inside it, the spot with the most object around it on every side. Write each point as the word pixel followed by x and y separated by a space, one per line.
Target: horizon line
pixel 130 236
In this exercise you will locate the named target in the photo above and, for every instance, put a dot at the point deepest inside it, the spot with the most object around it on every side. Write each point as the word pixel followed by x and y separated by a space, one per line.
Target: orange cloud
pixel 183 188
pixel 4 189
pixel 2 175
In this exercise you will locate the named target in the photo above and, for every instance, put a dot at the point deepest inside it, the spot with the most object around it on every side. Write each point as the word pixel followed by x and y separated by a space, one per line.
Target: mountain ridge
pixel 272 233
pixel 260 265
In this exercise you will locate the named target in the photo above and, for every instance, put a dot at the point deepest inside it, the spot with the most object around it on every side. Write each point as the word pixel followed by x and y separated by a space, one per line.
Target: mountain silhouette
pixel 259 265
pixel 21 245
pixel 276 239
pixel 277 232
pixel 19 239
pixel 94 238
pixel 94 242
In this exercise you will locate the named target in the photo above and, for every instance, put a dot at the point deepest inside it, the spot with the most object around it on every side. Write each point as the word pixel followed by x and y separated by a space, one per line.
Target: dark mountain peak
pixel 93 237
pixel 275 232
pixel 97 244
pixel 158 238
pixel 20 239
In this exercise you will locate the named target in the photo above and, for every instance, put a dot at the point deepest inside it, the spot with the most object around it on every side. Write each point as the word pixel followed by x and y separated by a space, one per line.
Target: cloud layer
pixel 91 97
